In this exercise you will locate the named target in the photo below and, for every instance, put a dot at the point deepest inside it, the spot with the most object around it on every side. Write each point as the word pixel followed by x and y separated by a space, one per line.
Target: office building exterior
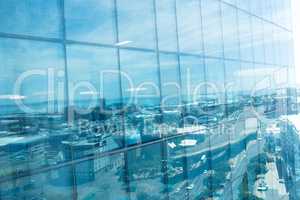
pixel 144 99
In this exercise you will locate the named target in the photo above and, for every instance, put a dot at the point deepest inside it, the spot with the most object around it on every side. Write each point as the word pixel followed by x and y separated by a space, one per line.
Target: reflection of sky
pixel 142 70
pixel 94 21
pixel 87 64
pixel 19 56
pixel 212 33
pixel 39 17
pixel 136 22
pixel 90 20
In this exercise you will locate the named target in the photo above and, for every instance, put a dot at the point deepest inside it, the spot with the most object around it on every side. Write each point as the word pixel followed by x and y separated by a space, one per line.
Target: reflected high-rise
pixel 146 99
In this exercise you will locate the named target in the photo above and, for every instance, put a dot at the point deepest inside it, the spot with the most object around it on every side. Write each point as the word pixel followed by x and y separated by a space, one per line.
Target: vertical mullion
pixel 225 90
pixel 164 166
pixel 223 60
pixel 126 168
pixel 240 66
pixel 68 110
pixel 185 162
pixel 205 79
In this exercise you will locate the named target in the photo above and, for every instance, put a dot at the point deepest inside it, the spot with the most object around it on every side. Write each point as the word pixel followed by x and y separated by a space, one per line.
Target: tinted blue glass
pixel 255 7
pixel 258 40
pixel 287 14
pixel 255 157
pixel 140 78
pixel 285 44
pixel 230 32
pixel 247 76
pixel 136 23
pixel 268 43
pixel 192 76
pixel 128 122
pixel 198 168
pixel 244 24
pixel 25 69
pixel 220 166
pixel 94 93
pixel 232 80
pixel 212 31
pixel 215 79
pixel 244 4
pixel 170 80
pixel 166 25
pixel 233 2
pixel 277 49
pixel 171 92
pixel 40 185
pixel 263 79
pixel 267 10
pixel 145 176
pixel 89 69
pixel 176 165
pixel 91 21
pixel 98 176
pixel 32 73
pixel 140 95
pixel 282 13
pixel 189 26
pixel 30 17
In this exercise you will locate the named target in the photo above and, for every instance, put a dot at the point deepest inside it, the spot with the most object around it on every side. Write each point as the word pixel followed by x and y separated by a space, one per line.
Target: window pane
pixel 263 78
pixel 145 176
pixel 267 10
pixel 141 68
pixel 93 65
pixel 230 32
pixel 36 70
pixel 212 31
pixel 269 43
pixel 233 81
pixel 141 95
pixel 50 185
pixel 31 63
pixel 247 75
pixel 233 2
pixel 258 40
pixel 277 34
pixel 192 75
pixel 136 23
pixel 282 13
pixel 198 166
pixel 30 17
pixel 284 43
pixel 189 26
pixel 171 92
pixel 90 20
pixel 96 178
pixel 177 171
pixel 220 165
pixel 169 70
pixel 244 4
pixel 255 7
pixel 94 93
pixel 166 25
pixel 215 76
pixel 245 36
pixel 283 46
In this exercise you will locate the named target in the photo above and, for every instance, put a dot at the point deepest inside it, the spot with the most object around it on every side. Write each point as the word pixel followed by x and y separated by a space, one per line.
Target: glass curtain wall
pixel 131 99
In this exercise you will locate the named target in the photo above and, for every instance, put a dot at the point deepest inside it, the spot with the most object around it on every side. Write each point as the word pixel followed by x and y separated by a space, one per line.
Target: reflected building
pixel 151 99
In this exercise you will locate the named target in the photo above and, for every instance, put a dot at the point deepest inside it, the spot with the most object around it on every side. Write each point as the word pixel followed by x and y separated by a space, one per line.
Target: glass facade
pixel 141 99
